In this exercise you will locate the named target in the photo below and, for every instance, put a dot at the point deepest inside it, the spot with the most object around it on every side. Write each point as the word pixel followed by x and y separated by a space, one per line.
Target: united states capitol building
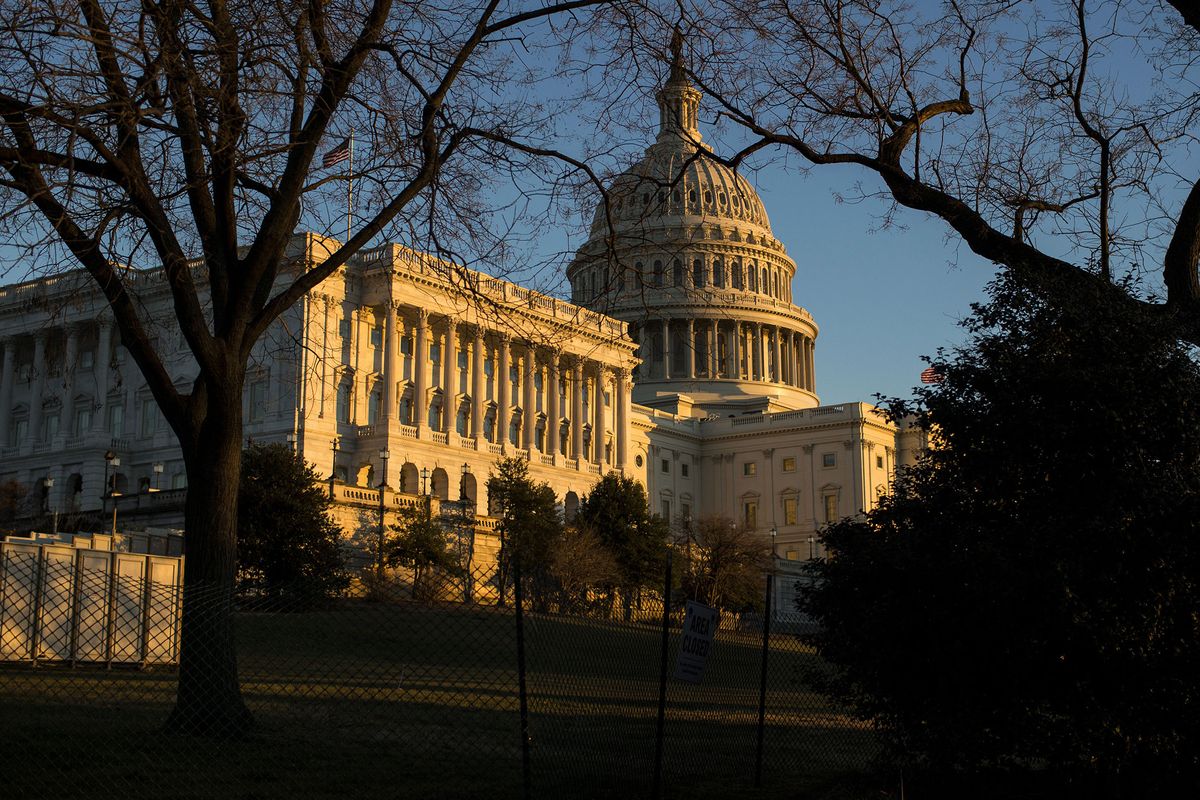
pixel 682 360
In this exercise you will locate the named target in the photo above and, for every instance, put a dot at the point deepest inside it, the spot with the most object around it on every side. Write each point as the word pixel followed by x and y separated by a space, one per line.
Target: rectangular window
pixel 683 469
pixel 406 345
pixel 789 511
pixel 344 328
pixel 666 509
pixel 258 401
pixel 831 507
pixel 750 515
pixel 789 464
pixel 377 336
pixel 435 353
pixel 116 418
pixel 83 420
pixel 20 429
pixel 666 465
pixel 514 380
pixel 685 510
pixel 829 459
pixel 489 367
pixel 879 462
pixel 462 359
pixel 87 359
pixel 50 427
pixel 149 420
pixel 750 469
pixel 343 403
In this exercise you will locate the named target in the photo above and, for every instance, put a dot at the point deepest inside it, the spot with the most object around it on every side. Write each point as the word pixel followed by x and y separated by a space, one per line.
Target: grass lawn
pixel 369 701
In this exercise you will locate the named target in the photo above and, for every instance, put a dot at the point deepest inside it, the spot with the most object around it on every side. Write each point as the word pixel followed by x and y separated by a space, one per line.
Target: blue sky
pixel 882 297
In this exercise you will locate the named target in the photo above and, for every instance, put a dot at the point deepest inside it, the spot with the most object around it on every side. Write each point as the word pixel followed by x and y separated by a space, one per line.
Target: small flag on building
pixel 338 154
pixel 932 375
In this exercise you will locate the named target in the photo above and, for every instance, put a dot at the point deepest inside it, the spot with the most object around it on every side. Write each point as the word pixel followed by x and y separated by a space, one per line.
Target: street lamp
pixel 424 478
pixel 462 483
pixel 811 548
pixel 158 471
pixel 774 533
pixel 111 462
pixel 48 482
pixel 383 458
pixel 333 465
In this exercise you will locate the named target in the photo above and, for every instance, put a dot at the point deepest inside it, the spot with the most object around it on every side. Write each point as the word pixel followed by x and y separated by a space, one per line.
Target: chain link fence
pixel 403 689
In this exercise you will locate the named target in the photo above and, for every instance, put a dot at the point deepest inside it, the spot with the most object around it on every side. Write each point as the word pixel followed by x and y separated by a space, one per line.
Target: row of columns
pixel 790 361
pixel 101 367
pixel 531 359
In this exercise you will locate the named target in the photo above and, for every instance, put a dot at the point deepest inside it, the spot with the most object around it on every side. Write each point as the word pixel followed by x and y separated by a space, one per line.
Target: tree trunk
pixel 209 699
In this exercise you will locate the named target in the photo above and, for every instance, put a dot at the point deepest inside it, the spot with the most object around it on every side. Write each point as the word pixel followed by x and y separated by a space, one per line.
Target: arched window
pixel 677 273
pixel 735 274
pixel 752 274
pixel 766 286
pixel 514 429
pixel 374 406
pixel 718 274
pixel 460 422
pixel 638 277
pixel 698 273
pixel 658 273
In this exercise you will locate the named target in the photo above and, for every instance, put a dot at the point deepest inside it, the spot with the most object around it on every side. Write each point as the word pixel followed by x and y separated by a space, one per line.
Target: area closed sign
pixel 699 625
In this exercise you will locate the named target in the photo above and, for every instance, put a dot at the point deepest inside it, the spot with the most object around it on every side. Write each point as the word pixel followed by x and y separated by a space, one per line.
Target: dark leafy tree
pixel 288 547
pixel 424 544
pixel 1029 595
pixel 617 511
pixel 530 526
pixel 13 500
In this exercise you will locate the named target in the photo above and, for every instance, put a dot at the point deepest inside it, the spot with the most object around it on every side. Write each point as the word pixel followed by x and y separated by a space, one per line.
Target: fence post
pixel 521 686
pixel 762 682
pixel 662 680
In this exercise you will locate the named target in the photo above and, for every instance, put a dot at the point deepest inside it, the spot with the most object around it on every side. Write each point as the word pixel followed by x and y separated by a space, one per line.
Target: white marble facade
pixel 683 363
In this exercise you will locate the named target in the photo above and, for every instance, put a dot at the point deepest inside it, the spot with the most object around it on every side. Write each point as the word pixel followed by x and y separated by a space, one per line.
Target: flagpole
pixel 350 190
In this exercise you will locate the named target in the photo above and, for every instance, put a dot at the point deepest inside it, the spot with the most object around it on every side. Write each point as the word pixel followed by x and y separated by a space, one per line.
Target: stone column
pixel 620 398
pixel 528 412
pixel 689 352
pixel 736 351
pixel 477 387
pixel 666 348
pixel 326 357
pixel 577 389
pixel 39 387
pixel 795 342
pixel 66 422
pixel 759 354
pixel 420 368
pixel 449 370
pixel 599 421
pixel 503 390
pixel 553 412
pixel 713 372
pixel 102 365
pixel 808 363
pixel 6 387
pixel 777 372
pixel 391 372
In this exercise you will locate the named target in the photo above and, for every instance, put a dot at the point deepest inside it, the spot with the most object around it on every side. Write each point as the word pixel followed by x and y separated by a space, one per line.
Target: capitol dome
pixel 682 250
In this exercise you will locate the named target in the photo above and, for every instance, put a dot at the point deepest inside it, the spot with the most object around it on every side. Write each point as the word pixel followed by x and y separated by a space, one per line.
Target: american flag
pixel 338 154
pixel 932 375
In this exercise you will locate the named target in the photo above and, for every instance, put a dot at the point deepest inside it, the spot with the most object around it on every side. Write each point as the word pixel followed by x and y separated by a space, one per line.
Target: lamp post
pixel 469 520
pixel 48 482
pixel 383 459
pixel 462 483
pixel 158 471
pixel 774 533
pixel 111 462
pixel 811 548
pixel 333 465
pixel 424 478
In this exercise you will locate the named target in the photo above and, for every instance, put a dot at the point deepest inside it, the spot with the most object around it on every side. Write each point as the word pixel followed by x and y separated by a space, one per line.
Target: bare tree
pixel 1052 137
pixel 183 140
pixel 724 562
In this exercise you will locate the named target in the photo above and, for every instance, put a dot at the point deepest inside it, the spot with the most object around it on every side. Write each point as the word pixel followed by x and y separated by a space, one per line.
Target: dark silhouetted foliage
pixel 1029 595
pixel 287 544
